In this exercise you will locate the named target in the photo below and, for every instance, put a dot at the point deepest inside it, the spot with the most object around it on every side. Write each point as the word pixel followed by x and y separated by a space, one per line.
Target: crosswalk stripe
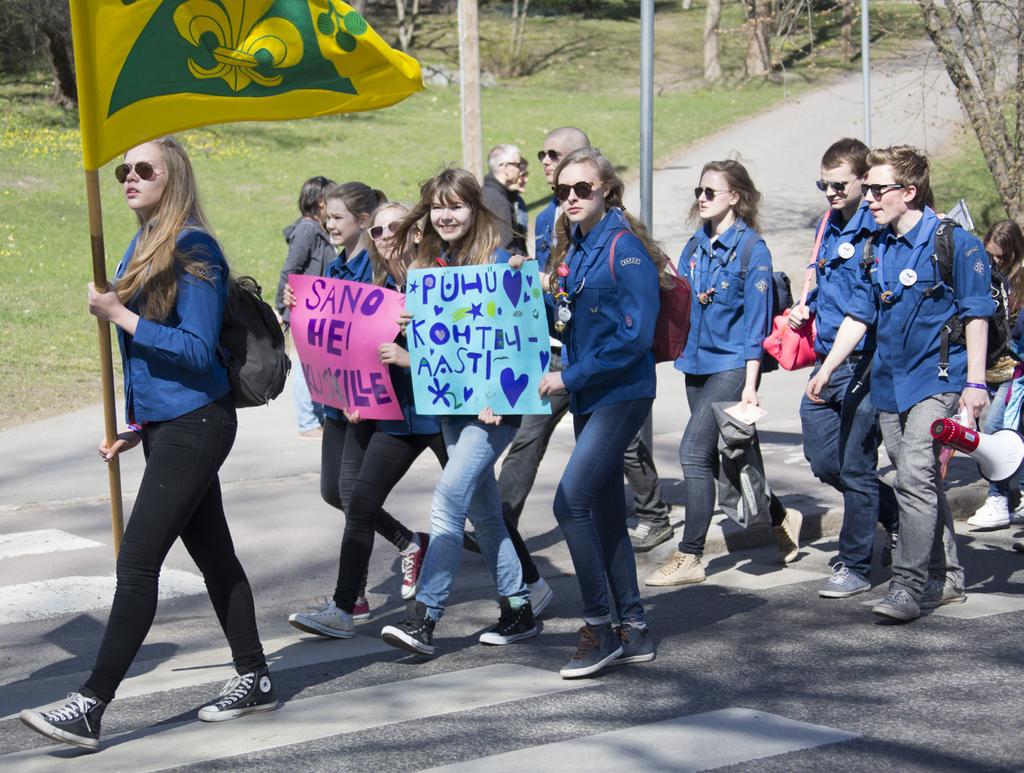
pixel 752 575
pixel 168 746
pixel 66 595
pixel 146 677
pixel 699 742
pixel 26 543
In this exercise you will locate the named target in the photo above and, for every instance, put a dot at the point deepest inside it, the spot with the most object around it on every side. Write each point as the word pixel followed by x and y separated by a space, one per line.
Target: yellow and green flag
pixel 147 68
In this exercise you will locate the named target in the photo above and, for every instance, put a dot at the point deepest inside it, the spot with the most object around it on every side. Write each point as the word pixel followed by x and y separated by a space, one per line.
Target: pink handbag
pixel 794 349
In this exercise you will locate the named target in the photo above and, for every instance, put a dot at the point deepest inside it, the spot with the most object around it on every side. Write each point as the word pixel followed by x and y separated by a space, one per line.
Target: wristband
pixel 975 385
pixel 134 427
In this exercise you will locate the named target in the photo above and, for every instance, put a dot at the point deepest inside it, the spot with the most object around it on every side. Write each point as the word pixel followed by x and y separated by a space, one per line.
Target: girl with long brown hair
pixel 457 230
pixel 730 270
pixel 168 305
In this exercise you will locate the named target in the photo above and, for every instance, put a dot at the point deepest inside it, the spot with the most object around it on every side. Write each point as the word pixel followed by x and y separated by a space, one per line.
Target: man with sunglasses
pixel 918 374
pixel 503 196
pixel 841 434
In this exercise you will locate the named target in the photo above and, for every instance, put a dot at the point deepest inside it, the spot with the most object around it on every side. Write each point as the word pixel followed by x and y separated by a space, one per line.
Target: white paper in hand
pixel 748 415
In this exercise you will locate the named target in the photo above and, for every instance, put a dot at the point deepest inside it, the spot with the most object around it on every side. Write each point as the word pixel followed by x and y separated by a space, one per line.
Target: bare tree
pixel 759 16
pixel 846 31
pixel 408 12
pixel 712 57
pixel 970 35
pixel 33 29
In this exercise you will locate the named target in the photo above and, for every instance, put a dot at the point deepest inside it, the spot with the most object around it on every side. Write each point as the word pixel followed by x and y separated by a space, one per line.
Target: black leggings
pixel 179 497
pixel 341 458
pixel 385 461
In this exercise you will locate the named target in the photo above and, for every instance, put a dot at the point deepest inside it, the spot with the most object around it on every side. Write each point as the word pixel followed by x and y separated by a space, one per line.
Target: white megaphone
pixel 998 455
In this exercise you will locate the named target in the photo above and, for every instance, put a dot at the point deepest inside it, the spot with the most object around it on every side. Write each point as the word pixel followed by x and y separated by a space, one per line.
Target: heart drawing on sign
pixel 513 386
pixel 544 357
pixel 512 282
pixel 438 310
pixel 467 392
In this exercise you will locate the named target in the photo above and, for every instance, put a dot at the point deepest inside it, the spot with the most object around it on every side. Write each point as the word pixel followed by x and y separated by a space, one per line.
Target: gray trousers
pixel 926 546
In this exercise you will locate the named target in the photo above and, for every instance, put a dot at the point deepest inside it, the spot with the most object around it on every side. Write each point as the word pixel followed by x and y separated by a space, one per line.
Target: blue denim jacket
pixel 171 367
pixel 607 354
pixel 908 328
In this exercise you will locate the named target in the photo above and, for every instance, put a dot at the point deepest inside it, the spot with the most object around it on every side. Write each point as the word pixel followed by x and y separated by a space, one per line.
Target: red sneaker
pixel 411 564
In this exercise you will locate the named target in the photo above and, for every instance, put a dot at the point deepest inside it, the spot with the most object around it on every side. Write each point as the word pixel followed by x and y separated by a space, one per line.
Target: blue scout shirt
pixel 607 345
pixel 838 275
pixel 412 423
pixel 544 238
pixel 729 330
pixel 905 368
pixel 358 269
pixel 171 367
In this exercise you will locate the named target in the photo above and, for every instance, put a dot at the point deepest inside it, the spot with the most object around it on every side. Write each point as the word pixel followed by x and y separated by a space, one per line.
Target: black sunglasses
pixel 877 189
pixel 708 193
pixel 554 155
pixel 838 187
pixel 143 169
pixel 582 189
pixel 377 232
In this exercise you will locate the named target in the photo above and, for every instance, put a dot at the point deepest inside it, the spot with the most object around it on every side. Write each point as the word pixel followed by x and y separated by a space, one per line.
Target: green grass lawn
pixel 250 174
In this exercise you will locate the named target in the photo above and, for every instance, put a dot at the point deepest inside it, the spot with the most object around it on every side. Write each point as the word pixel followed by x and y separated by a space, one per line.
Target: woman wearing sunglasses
pixel 349 208
pixel 729 318
pixel 168 302
pixel 459 231
pixel 390 451
pixel 603 280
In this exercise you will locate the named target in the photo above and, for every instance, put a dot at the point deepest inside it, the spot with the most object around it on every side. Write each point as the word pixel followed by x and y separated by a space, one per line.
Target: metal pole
pixel 647 146
pixel 865 63
pixel 469 87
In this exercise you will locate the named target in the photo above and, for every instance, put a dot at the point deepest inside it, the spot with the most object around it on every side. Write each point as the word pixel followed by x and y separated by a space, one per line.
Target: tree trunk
pixel 968 59
pixel 407 17
pixel 712 59
pixel 758 55
pixel 846 32
pixel 65 90
pixel 686 5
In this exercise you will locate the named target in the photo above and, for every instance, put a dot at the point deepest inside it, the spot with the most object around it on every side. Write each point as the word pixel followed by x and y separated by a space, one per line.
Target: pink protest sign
pixel 337 327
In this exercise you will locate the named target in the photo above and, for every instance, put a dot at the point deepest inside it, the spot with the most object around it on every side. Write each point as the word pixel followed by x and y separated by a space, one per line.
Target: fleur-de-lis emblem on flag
pixel 247 40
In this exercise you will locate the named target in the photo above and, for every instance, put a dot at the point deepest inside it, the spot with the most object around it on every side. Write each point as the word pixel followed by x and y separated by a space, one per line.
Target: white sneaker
pixel 540 595
pixel 328 620
pixel 994 514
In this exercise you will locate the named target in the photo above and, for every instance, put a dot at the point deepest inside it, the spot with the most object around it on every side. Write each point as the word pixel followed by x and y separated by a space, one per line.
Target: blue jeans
pixel 841 440
pixel 308 414
pixel 699 455
pixel 995 420
pixel 467 488
pixel 591 510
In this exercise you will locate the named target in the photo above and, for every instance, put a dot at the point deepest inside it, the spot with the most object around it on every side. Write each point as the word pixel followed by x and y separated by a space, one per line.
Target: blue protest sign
pixel 478 338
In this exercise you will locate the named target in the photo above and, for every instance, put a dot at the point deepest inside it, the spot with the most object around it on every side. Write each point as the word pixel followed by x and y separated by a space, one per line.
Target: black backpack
pixel 999 326
pixel 781 290
pixel 252 345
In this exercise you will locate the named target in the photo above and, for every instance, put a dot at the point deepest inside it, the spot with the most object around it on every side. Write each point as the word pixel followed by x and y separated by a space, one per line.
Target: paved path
pixel 746 675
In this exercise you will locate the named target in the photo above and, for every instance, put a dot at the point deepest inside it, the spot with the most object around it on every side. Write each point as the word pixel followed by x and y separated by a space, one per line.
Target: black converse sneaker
pixel 243 694
pixel 515 623
pixel 415 634
pixel 77 722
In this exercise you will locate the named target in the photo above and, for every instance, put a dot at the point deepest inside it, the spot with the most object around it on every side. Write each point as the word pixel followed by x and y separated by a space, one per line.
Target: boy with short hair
pixel 909 304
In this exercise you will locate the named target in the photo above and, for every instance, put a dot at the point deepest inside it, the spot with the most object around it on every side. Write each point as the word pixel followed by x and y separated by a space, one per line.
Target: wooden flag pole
pixel 99 278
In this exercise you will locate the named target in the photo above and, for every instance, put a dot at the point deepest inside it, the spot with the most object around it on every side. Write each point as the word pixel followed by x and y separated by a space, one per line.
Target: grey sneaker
pixel 540 595
pixel 598 647
pixel 898 604
pixel 938 592
pixel 328 620
pixel 647 536
pixel 637 644
pixel 843 583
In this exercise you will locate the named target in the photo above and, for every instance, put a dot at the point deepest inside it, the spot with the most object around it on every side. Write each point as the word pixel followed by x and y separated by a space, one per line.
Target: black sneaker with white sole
pixel 77 722
pixel 415 634
pixel 514 623
pixel 243 694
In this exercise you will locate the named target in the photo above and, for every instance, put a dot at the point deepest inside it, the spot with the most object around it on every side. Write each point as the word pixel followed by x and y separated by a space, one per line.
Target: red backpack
pixel 673 324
